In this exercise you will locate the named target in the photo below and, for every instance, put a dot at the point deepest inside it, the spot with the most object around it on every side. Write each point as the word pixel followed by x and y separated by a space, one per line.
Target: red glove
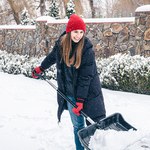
pixel 37 70
pixel 79 105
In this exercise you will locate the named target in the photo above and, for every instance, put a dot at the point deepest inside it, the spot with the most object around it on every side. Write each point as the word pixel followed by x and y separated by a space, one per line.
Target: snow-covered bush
pixel 10 63
pixel 119 72
pixel 126 73
pixel 19 64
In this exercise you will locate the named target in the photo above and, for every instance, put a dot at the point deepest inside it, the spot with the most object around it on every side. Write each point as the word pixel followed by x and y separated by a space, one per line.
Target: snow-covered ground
pixel 28 118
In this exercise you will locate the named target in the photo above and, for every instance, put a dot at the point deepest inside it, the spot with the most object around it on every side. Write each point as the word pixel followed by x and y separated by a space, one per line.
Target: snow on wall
pixel 50 20
pixel 143 8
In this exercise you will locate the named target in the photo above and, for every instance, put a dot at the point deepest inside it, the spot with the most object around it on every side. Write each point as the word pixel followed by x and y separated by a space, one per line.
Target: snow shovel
pixel 114 121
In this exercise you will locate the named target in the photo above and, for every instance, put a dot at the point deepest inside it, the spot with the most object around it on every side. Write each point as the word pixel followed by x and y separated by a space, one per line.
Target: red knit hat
pixel 75 23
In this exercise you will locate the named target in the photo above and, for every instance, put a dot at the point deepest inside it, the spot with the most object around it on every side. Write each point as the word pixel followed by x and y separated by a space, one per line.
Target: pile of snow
pixel 111 139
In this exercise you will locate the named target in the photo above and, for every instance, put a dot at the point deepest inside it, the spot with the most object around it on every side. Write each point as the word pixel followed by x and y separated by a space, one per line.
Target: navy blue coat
pixel 87 83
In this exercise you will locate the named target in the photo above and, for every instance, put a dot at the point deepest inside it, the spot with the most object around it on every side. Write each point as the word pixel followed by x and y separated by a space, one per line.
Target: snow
pixel 110 20
pixel 51 20
pixel 45 18
pixel 28 110
pixel 94 20
pixel 111 139
pixel 143 8
pixel 89 20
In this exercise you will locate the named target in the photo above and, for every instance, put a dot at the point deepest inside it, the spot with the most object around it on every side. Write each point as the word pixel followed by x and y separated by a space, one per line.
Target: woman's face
pixel 76 35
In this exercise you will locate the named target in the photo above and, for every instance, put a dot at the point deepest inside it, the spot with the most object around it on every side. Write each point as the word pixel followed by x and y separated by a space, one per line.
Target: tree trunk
pixel 42 7
pixel 14 10
pixel 92 8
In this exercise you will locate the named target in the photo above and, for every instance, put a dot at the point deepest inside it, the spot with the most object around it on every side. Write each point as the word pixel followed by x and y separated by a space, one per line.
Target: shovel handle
pixel 64 96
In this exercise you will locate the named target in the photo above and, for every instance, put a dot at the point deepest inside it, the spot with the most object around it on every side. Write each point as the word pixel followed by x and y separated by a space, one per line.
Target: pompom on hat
pixel 75 23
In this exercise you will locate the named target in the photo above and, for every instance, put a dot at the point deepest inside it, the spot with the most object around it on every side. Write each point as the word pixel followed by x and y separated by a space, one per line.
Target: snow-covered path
pixel 28 115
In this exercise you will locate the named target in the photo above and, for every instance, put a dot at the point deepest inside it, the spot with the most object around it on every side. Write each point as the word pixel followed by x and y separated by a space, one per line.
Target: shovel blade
pixel 114 121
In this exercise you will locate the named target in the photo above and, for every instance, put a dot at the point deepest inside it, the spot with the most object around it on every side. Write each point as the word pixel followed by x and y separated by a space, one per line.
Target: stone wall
pixel 109 36
pixel 18 40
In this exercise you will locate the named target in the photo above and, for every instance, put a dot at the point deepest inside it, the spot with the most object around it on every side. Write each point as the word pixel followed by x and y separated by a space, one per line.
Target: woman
pixel 77 75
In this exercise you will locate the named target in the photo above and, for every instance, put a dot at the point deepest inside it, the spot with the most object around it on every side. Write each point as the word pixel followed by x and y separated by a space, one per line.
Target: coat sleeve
pixel 51 58
pixel 85 74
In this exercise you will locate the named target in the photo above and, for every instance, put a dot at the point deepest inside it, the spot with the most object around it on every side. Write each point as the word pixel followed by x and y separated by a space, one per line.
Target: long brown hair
pixel 66 45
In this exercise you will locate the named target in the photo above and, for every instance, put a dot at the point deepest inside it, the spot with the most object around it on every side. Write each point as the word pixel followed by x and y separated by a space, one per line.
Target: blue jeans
pixel 78 123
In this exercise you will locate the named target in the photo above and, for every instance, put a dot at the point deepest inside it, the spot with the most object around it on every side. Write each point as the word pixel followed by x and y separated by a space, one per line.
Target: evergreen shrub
pixel 126 73
pixel 119 72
